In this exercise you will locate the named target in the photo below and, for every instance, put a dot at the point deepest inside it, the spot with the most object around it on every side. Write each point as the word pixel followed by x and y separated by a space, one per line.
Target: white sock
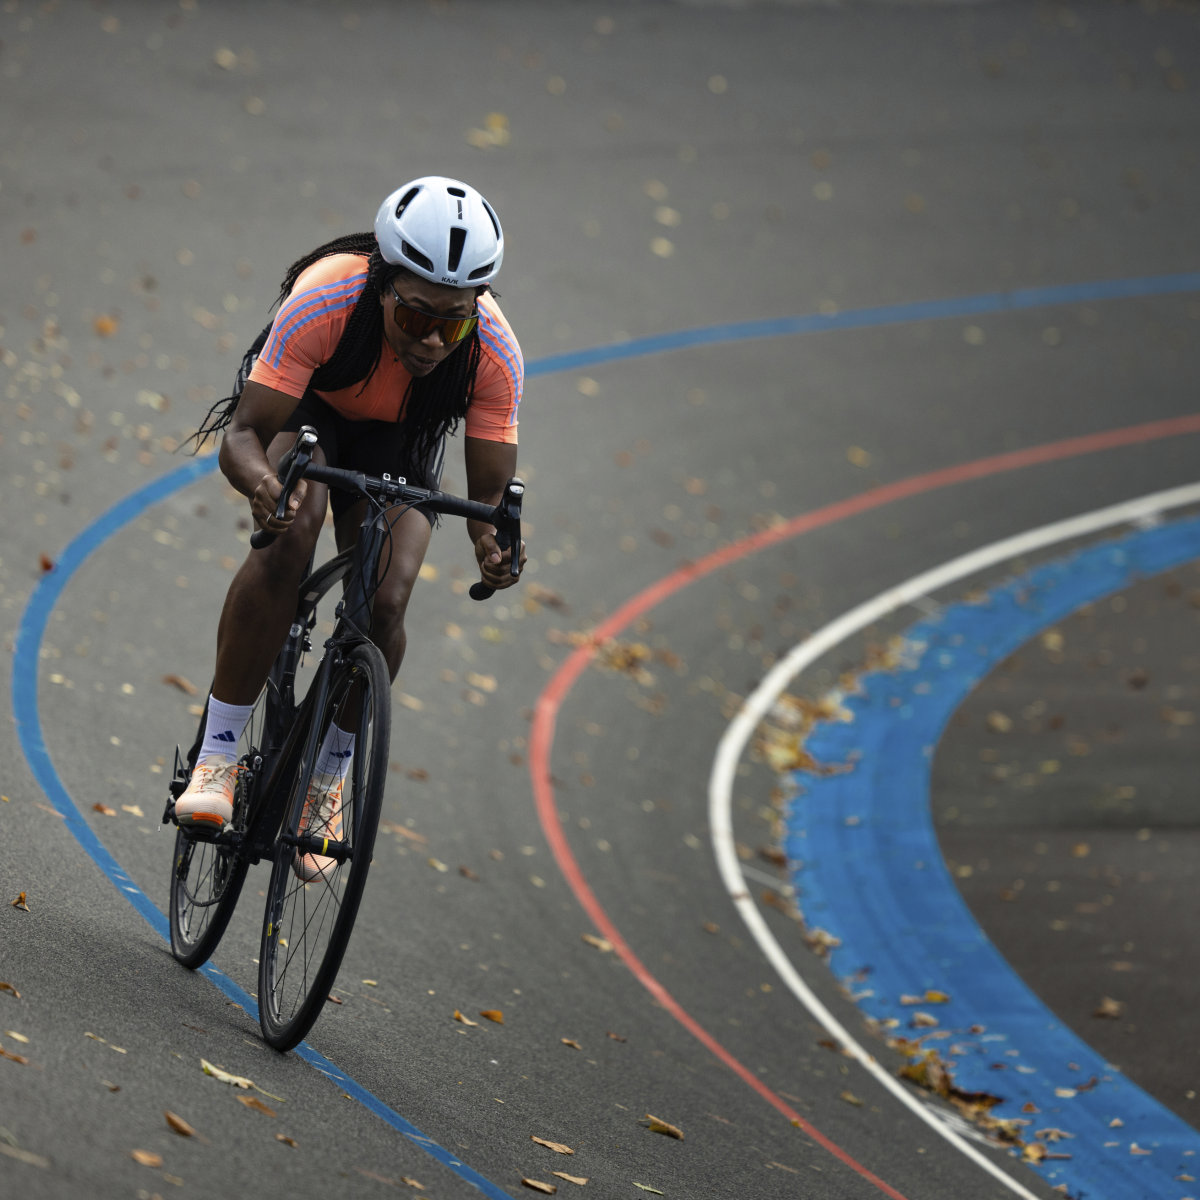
pixel 335 754
pixel 225 725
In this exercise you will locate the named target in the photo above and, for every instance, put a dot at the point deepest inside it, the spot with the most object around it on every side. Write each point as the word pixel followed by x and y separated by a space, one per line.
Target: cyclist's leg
pixel 259 608
pixel 261 601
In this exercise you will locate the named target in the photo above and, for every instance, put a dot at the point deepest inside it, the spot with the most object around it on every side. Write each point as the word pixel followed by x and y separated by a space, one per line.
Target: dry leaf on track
pixel 492 1014
pixel 658 1125
pixel 557 1147
pixel 536 1185
pixel 579 1179
pixel 12 991
pixel 255 1103
pixel 146 1157
pixel 19 902
pixel 179 1125
pixel 465 1020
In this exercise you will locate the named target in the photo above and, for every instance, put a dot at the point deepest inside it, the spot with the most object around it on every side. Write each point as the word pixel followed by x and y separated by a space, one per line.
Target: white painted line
pixel 759 703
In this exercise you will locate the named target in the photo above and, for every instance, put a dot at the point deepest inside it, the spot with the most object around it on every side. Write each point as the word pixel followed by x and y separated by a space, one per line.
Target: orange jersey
pixel 309 324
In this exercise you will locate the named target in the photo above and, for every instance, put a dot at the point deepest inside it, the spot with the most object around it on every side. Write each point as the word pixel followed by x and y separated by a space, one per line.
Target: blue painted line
pixel 867 318
pixel 870 872
pixel 45 596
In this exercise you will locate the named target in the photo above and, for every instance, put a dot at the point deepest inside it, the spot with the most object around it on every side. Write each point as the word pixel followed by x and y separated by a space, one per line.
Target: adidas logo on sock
pixel 226 736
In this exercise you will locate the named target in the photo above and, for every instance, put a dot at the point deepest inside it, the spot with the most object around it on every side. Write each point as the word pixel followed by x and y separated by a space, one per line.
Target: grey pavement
pixel 658 166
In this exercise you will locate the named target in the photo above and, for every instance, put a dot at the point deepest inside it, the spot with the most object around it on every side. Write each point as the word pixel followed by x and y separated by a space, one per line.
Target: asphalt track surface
pixel 950 201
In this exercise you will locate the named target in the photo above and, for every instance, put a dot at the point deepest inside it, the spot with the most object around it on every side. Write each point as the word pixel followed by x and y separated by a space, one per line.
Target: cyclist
pixel 383 341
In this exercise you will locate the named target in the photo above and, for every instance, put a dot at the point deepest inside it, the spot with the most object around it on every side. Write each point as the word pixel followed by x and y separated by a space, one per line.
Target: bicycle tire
pixel 206 876
pixel 308 921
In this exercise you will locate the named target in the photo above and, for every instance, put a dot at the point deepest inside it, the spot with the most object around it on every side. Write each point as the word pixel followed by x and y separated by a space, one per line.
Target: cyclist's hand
pixel 265 500
pixel 494 563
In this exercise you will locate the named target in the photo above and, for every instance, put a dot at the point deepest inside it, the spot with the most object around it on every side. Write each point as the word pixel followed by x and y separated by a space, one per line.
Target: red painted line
pixel 545 716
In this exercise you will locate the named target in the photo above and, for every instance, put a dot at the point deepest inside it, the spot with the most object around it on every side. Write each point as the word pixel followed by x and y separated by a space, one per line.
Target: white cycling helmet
pixel 442 230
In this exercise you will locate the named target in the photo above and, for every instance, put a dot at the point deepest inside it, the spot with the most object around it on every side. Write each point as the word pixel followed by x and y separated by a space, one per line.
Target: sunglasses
pixel 420 324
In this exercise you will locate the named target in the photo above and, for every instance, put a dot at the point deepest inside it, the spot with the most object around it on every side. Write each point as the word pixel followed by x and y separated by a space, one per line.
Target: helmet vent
pixel 495 220
pixel 458 239
pixel 406 200
pixel 455 191
pixel 414 255
pixel 486 269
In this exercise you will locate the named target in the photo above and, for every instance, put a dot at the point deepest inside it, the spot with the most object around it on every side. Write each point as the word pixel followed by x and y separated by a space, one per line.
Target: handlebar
pixel 297 464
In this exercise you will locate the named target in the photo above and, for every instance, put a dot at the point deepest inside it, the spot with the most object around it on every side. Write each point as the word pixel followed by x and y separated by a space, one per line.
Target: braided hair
pixel 434 404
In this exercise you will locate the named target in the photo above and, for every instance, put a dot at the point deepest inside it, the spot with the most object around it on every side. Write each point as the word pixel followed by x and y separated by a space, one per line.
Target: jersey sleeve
pixel 309 324
pixel 500 380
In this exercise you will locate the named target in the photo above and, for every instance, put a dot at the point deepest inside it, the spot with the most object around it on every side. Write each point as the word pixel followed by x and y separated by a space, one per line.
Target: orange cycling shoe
pixel 207 802
pixel 322 818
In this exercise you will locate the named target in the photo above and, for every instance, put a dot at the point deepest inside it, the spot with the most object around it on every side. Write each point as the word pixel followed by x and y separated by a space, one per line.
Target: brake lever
pixel 291 471
pixel 508 534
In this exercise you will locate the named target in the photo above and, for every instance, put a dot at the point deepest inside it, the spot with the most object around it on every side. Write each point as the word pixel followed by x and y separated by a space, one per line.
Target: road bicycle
pixel 318 870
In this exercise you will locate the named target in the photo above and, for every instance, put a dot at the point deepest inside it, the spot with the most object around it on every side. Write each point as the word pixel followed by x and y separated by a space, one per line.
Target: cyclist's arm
pixel 490 465
pixel 259 416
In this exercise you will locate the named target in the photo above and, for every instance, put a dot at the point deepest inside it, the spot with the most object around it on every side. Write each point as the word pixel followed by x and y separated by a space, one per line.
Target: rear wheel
pixel 321 865
pixel 207 874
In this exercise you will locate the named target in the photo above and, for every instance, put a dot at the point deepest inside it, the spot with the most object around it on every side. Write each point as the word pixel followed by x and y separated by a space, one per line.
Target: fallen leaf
pixel 658 1125
pixel 17 1058
pixel 184 685
pixel 579 1179
pixel 179 1125
pixel 571 1042
pixel 19 902
pixel 146 1157
pixel 103 808
pixel 239 1081
pixel 465 1020
pixel 616 1037
pixel 492 1014
pixel 12 991
pixel 557 1147
pixel 255 1103
pixel 133 810
pixel 536 1185
pixel 1134 1148
pixel 601 944
pixel 409 1181
pixel 851 1098
pixel 45 562
pixel 1108 1007
pixel 646 1188
pixel 1052 1135
pixel 287 1141
pixel 25 1156
pixel 105 326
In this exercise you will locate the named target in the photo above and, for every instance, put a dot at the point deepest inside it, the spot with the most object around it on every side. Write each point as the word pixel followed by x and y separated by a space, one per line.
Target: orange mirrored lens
pixel 419 324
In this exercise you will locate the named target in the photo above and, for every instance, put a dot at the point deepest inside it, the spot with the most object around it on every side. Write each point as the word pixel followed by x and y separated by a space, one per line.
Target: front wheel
pixel 324 851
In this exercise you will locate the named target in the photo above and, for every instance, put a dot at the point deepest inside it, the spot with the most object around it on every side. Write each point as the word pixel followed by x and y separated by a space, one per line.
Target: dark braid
pixel 434 404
